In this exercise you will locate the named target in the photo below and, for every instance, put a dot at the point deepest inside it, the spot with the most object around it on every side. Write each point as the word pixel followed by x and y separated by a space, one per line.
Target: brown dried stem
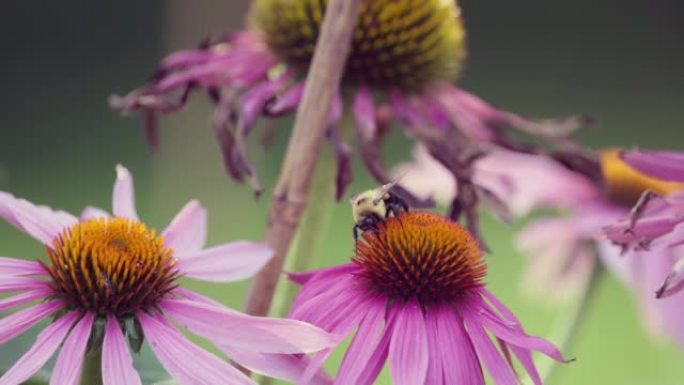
pixel 292 189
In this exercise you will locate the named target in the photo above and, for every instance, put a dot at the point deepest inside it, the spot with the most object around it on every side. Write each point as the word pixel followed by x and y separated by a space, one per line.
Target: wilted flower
pixel 414 294
pixel 403 59
pixel 653 224
pixel 512 184
pixel 109 277
pixel 564 248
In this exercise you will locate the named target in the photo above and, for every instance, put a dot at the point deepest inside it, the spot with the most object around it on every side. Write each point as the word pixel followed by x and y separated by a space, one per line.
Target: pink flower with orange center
pixel 107 272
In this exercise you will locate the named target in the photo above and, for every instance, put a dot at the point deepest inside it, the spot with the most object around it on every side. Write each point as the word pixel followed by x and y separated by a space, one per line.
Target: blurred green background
pixel 621 61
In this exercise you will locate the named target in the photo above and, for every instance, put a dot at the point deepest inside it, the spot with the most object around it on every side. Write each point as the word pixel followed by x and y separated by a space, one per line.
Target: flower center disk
pixel 111 266
pixel 405 44
pixel 421 256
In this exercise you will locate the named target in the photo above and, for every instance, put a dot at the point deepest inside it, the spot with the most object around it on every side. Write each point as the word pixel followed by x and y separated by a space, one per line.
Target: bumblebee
pixel 374 206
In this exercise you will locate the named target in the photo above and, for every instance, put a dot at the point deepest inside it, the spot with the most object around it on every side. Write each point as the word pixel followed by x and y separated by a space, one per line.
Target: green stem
pixel 566 334
pixel 309 238
pixel 92 368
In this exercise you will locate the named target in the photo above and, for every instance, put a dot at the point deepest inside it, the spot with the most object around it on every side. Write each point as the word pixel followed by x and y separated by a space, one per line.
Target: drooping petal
pixel 227 327
pixel 379 356
pixel 14 283
pixel 40 222
pixel 228 262
pixel 17 323
pixel 451 344
pixel 284 366
pixel 674 283
pixel 363 345
pixel 185 361
pixel 499 370
pixel 187 232
pixel 123 200
pixel 25 297
pixel 668 165
pixel 333 306
pixel 19 267
pixel 318 281
pixel 513 333
pixel 67 369
pixel 117 363
pixel 45 346
pixel 408 350
pixel 287 102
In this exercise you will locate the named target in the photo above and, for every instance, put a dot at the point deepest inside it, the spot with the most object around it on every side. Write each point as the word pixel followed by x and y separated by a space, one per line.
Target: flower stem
pixel 291 193
pixel 309 237
pixel 566 334
pixel 92 368
pixel 311 230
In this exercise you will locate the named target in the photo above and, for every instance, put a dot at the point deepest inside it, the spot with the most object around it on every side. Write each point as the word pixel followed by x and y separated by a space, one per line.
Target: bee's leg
pixel 355 231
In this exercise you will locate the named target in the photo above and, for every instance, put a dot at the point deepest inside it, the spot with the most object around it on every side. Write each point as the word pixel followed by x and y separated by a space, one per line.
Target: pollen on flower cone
pixel 405 44
pixel 111 265
pixel 422 256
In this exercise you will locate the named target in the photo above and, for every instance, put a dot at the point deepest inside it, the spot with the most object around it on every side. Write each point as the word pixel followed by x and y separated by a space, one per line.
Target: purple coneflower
pixel 112 277
pixel 414 294
pixel 564 248
pixel 654 223
pixel 403 60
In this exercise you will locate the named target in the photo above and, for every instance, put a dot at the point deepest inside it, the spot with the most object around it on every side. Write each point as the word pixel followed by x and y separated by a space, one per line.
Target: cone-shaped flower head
pixel 403 58
pixel 109 277
pixel 415 294
pixel 403 44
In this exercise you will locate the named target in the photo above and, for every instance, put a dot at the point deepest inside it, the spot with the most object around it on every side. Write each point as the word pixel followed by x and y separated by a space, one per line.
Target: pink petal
pixel 40 222
pixel 185 361
pixel 229 262
pixel 227 327
pixel 378 358
pixel 67 369
pixel 45 346
pixel 364 112
pixel 17 323
pixel 25 297
pixel 288 367
pixel 288 101
pixel 187 232
pixel 450 343
pixel 408 351
pixel 498 368
pixel 362 346
pixel 91 212
pixel 123 200
pixel 318 281
pixel 117 363
pixel 18 267
pixel 510 329
pixel 342 305
pixel 526 182
pixel 668 165
pixel 13 283
pixel 674 283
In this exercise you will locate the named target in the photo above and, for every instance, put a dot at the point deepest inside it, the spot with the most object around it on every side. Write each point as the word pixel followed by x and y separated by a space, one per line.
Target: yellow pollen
pixel 407 44
pixel 421 256
pixel 111 266
pixel 625 184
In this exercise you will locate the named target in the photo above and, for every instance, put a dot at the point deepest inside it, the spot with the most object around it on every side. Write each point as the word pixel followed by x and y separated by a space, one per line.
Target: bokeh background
pixel 620 60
